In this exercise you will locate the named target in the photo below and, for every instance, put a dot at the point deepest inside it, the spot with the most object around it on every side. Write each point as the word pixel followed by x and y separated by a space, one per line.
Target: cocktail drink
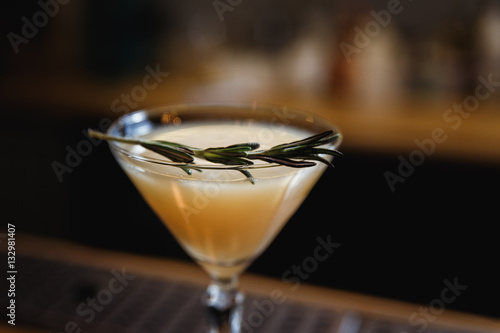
pixel 223 209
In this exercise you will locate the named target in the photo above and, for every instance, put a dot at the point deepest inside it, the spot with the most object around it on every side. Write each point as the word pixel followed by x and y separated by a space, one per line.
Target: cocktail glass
pixel 220 218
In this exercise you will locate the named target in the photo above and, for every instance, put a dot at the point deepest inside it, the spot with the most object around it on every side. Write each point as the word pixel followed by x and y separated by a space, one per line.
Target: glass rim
pixel 231 109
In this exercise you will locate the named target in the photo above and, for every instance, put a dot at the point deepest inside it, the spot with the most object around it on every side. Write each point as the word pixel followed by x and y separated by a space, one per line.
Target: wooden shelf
pixel 392 129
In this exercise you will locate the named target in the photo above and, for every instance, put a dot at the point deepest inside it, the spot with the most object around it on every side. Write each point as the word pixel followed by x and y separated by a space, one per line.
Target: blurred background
pixel 409 209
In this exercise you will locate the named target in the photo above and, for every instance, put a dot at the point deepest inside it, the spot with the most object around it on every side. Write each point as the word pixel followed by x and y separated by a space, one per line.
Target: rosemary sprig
pixel 297 154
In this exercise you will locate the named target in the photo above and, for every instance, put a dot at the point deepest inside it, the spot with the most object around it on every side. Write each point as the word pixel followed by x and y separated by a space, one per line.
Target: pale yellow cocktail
pixel 218 216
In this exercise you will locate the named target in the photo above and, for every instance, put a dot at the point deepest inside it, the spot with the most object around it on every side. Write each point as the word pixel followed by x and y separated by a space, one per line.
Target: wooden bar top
pixel 161 268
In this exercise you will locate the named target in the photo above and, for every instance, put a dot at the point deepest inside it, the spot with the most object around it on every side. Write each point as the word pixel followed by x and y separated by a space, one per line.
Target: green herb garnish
pixel 297 154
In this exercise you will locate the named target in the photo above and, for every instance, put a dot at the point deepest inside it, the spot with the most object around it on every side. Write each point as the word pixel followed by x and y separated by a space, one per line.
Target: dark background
pixel 439 224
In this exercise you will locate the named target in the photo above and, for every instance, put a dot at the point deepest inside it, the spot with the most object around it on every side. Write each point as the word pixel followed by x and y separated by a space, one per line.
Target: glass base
pixel 224 306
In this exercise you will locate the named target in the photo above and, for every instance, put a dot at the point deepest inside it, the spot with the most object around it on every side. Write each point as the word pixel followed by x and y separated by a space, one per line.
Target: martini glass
pixel 220 218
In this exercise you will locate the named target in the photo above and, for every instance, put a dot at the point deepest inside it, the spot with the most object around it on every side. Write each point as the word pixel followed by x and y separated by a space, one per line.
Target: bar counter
pixel 53 265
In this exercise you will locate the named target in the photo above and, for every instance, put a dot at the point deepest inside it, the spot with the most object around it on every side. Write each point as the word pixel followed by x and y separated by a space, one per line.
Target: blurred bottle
pixel 305 64
pixel 488 40
pixel 371 59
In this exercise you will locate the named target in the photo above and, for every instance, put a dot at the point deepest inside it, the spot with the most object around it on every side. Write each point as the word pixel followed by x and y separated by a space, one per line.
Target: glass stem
pixel 224 306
